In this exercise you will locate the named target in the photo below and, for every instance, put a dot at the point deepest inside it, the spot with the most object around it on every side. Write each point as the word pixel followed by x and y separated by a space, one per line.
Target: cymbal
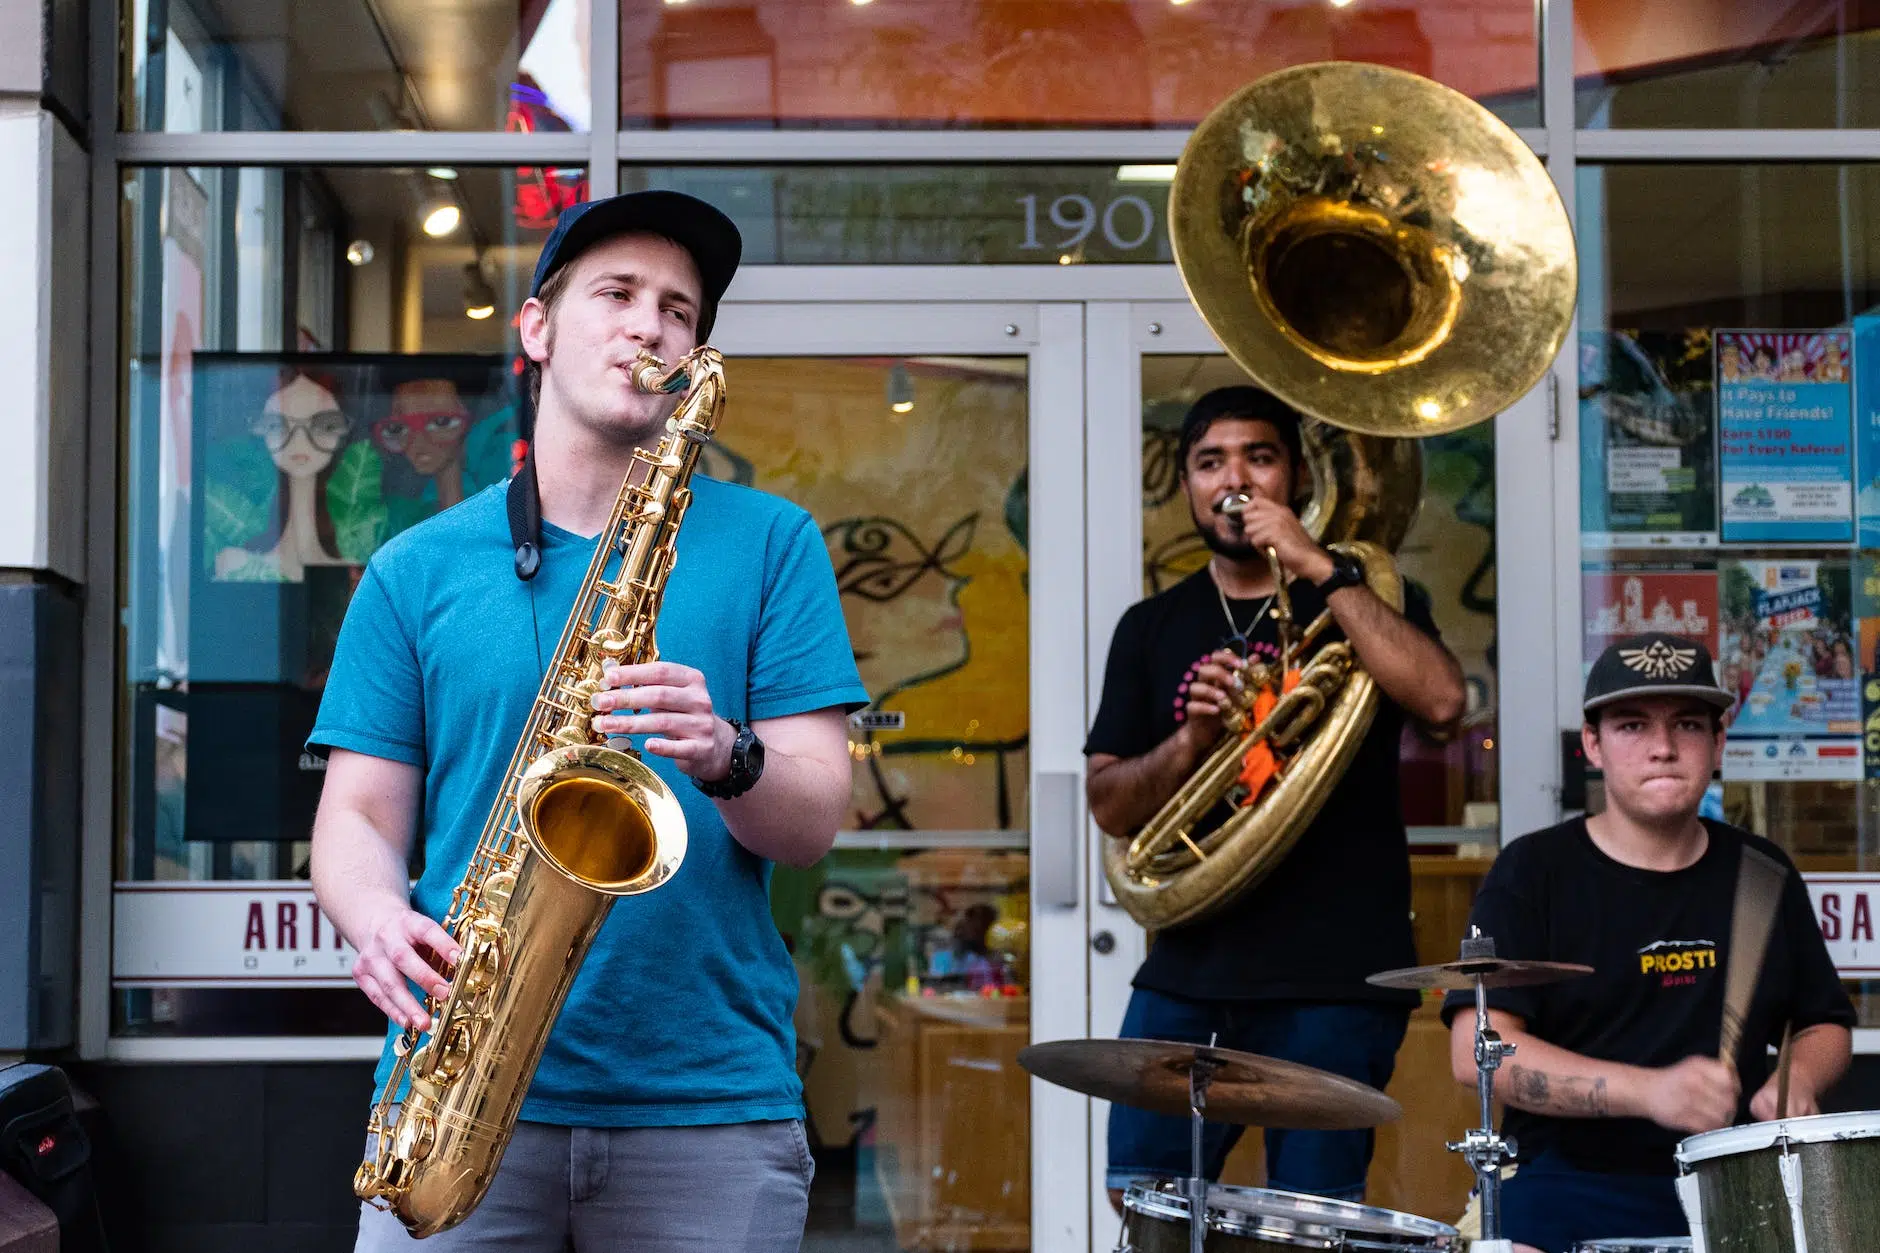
pixel 1245 1089
pixel 1495 972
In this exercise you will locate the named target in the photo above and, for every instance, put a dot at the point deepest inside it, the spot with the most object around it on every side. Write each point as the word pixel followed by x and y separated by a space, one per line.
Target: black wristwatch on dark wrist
pixel 1347 571
pixel 747 765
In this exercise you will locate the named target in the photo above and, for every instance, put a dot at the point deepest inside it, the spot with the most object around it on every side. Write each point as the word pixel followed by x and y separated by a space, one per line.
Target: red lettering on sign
pixel 1863 919
pixel 1831 916
pixel 287 925
pixel 315 908
pixel 257 936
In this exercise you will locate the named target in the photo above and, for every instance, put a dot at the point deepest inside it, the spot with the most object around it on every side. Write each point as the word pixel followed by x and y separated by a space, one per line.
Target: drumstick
pixel 1782 1072
pixel 1758 893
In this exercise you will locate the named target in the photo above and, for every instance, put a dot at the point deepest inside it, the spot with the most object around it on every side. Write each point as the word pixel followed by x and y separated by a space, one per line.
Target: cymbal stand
pixel 1481 1147
pixel 1198 1079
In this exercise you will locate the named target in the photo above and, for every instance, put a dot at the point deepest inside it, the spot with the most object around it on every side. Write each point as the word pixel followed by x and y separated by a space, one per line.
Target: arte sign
pixel 264 934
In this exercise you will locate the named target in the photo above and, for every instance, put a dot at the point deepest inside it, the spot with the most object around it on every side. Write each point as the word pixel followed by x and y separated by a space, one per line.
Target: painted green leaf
pixel 355 502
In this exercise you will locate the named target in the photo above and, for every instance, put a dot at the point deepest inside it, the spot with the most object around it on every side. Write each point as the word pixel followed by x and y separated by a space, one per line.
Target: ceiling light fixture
pixel 479 298
pixel 443 172
pixel 442 220
pixel 900 390
pixel 1145 173
pixel 359 252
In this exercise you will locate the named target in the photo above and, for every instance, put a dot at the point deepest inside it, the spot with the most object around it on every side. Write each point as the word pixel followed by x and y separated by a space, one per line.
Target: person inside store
pixel 1280 971
pixel 666 1111
pixel 1611 1070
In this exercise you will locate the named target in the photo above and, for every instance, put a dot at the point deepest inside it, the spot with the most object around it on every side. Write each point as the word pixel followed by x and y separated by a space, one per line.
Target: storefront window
pixel 1729 455
pixel 1724 63
pixel 1038 63
pixel 319 359
pixel 355 65
pixel 1450 790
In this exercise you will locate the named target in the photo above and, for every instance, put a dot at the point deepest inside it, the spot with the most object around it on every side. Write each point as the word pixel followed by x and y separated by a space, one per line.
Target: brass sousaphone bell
pixel 1389 258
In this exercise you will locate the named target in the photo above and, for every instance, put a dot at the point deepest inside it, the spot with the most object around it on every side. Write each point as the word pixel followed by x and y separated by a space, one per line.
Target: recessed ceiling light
pixel 442 220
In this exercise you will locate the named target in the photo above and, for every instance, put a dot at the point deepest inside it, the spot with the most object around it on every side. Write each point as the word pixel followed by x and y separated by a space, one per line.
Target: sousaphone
pixel 1389 258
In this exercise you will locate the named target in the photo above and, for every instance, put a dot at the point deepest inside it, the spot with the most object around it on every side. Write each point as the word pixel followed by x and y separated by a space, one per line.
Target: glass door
pixel 1147 362
pixel 939 449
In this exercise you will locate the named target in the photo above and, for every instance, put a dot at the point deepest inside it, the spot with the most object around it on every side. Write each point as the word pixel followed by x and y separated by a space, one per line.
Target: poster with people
pixel 1788 642
pixel 1648 445
pixel 303 465
pixel 1784 403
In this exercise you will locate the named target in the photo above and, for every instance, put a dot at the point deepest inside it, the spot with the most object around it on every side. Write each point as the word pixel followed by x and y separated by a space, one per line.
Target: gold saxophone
pixel 578 824
pixel 1390 259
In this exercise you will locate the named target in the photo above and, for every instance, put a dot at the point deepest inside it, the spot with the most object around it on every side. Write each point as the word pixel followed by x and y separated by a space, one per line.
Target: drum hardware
pixel 1158 1214
pixel 1660 1244
pixel 1481 1147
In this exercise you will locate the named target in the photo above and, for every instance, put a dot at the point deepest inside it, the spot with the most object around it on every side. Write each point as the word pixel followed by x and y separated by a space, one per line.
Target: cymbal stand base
pixel 1198 1080
pixel 1484 1150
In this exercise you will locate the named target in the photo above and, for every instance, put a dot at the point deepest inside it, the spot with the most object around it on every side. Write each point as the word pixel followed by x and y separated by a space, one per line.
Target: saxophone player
pixel 666 1108
pixel 1280 971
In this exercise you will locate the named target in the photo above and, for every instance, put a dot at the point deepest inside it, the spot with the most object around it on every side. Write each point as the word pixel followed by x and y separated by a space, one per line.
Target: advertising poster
pixel 1784 413
pixel 1845 907
pixel 1625 599
pixel 1867 655
pixel 1867 431
pixel 1788 649
pixel 1648 443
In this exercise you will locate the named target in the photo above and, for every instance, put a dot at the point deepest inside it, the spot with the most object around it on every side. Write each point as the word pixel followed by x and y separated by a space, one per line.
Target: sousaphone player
pixel 1325 234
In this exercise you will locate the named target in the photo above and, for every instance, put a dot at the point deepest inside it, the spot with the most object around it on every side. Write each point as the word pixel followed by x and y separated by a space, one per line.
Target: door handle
pixel 1056 838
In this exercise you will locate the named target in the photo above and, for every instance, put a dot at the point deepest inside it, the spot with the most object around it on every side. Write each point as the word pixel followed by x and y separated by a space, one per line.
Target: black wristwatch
pixel 1347 571
pixel 747 765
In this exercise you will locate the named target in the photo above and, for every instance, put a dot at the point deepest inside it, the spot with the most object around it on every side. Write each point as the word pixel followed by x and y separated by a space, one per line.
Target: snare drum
pixel 1663 1244
pixel 1787 1185
pixel 1259 1220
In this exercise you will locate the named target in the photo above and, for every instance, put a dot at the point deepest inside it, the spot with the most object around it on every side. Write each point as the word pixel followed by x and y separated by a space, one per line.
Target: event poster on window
pixel 1622 599
pixel 1867 654
pixel 1648 444
pixel 1784 413
pixel 1788 636
pixel 1867 437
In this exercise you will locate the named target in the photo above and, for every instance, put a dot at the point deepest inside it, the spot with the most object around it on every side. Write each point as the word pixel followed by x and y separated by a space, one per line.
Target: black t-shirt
pixel 1337 906
pixel 1658 943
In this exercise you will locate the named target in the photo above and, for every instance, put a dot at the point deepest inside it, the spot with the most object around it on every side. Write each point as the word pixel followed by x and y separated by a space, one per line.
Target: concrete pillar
pixel 44 349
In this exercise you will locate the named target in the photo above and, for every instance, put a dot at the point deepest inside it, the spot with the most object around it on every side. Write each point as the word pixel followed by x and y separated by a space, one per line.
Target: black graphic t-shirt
pixel 1337 907
pixel 1658 943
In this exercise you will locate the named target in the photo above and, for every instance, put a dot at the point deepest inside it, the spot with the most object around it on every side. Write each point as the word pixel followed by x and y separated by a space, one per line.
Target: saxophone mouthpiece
pixel 650 374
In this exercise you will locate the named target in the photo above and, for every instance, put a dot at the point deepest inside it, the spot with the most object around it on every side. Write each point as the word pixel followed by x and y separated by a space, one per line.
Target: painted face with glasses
pixel 302 426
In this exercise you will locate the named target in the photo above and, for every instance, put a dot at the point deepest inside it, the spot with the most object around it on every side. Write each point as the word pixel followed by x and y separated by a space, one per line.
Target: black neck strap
pixel 525 517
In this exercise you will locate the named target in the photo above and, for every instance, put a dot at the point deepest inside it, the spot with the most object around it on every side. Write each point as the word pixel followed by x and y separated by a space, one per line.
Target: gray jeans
pixel 741 1186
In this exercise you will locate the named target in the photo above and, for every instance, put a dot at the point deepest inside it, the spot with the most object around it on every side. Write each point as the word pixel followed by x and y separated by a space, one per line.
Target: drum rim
pixel 1639 1244
pixel 1315 1217
pixel 1808 1129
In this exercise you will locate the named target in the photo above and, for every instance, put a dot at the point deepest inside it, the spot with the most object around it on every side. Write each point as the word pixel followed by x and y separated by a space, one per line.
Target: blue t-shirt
pixel 681 1012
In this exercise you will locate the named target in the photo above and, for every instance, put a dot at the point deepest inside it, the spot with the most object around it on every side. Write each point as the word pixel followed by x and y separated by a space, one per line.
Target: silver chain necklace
pixel 1244 637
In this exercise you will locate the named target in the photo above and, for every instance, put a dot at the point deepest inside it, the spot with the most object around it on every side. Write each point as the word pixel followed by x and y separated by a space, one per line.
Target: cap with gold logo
pixel 1654 665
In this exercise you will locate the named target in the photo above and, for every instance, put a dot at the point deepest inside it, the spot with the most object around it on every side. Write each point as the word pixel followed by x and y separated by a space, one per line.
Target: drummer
pixel 1613 1069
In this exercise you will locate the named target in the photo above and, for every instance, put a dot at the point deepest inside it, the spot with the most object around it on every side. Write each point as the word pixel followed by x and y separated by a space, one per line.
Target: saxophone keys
pixel 414 1136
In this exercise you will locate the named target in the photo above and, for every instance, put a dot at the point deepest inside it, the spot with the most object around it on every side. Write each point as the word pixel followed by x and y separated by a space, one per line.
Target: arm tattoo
pixel 1541 1093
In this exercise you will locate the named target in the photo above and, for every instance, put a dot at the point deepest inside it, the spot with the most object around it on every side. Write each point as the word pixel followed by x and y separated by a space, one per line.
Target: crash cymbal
pixel 1495 972
pixel 1244 1089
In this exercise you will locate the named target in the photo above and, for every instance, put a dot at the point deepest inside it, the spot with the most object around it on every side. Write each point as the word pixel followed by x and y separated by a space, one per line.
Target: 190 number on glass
pixel 1126 221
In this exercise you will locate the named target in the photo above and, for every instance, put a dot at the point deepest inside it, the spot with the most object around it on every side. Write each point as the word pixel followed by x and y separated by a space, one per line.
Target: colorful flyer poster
pixel 1788 654
pixel 1785 422
pixel 1648 441
pixel 1867 655
pixel 1624 599
pixel 1867 433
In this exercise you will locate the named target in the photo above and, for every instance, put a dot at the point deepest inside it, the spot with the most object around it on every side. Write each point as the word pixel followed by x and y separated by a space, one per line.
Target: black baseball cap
pixel 710 236
pixel 1656 664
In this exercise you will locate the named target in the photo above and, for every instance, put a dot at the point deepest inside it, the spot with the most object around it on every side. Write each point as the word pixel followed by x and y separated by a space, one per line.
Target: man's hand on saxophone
pixel 674 710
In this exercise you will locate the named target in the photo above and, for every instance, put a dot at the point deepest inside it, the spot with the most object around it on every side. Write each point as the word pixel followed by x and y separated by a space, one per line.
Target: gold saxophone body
pixel 1386 256
pixel 578 824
